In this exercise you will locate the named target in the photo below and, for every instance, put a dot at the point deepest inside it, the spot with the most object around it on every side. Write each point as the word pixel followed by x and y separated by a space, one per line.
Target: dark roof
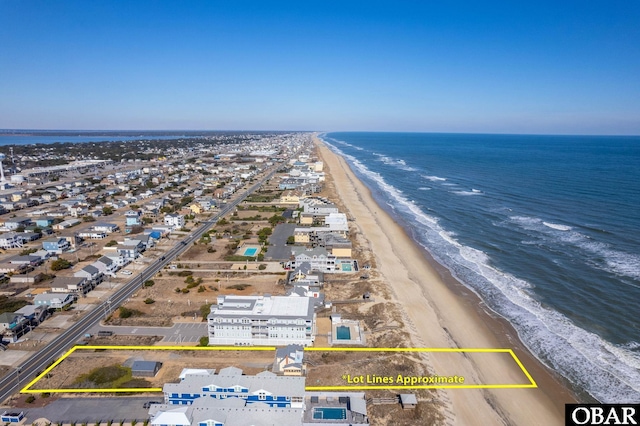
pixel 91 269
pixel 104 259
pixel 145 366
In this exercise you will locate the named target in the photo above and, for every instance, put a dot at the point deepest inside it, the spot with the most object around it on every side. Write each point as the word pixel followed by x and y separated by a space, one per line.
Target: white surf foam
pixel 399 163
pixel 610 373
pixel 599 255
pixel 434 178
pixel 466 193
pixel 557 226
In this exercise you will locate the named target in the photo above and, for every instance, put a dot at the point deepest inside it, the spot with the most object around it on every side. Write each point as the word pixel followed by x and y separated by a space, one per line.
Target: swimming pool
pixel 346 267
pixel 250 251
pixel 326 413
pixel 343 332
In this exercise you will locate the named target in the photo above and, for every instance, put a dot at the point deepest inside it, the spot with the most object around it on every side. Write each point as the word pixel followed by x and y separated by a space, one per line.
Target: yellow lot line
pixel 531 384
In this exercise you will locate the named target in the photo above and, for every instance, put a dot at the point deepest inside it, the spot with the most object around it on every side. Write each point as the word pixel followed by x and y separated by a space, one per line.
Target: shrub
pixel 108 374
pixel 149 301
pixel 262 267
pixel 201 289
pixel 185 290
pixel 149 283
pixel 205 310
pixel 60 264
pixel 177 290
pixel 204 341
pixel 30 399
pixel 239 286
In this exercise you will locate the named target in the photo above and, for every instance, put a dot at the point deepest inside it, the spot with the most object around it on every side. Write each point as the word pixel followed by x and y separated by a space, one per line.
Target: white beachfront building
pixel 262 321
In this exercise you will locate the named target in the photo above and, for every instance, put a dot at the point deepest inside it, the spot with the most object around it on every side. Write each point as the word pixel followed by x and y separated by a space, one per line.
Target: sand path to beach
pixel 439 318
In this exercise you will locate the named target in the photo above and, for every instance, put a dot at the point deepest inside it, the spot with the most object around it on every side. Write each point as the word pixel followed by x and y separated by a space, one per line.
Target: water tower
pixel 2 157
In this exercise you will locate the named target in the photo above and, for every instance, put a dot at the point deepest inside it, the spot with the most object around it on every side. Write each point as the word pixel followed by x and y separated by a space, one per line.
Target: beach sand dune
pixel 443 314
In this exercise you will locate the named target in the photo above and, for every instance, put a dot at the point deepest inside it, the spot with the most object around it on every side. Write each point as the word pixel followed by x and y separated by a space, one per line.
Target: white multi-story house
pixel 318 206
pixel 318 259
pixel 10 240
pixel 175 220
pixel 262 321
pixel 106 265
pixel 105 227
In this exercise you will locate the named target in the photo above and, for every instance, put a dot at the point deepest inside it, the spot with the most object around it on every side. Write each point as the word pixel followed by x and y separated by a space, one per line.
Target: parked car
pixel 126 272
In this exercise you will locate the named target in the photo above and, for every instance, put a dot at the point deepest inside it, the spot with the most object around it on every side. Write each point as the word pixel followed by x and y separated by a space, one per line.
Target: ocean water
pixel 545 229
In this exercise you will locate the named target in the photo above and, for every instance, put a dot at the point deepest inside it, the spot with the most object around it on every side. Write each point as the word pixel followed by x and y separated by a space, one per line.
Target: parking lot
pixel 189 332
pixel 92 410
pixel 278 248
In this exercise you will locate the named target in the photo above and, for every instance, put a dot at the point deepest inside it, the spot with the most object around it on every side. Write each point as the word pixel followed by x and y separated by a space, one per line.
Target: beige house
pixel 306 219
pixel 302 235
pixel 289 361
pixel 290 199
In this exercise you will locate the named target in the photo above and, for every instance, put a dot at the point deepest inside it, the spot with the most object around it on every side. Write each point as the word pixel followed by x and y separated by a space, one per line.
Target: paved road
pixel 30 368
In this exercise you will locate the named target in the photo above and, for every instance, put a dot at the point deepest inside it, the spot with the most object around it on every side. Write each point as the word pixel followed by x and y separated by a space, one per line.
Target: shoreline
pixel 450 315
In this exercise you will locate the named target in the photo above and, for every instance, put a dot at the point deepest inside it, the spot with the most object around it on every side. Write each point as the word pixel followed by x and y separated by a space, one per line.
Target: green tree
pixel 276 219
pixel 60 264
pixel 106 210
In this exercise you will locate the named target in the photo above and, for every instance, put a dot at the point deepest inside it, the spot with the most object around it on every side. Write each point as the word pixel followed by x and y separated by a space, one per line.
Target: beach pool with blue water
pixel 328 413
pixel 250 251
pixel 343 332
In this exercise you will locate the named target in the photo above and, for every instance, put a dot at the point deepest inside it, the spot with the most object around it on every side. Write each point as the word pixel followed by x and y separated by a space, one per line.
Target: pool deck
pixel 253 250
pixel 355 331
pixel 339 400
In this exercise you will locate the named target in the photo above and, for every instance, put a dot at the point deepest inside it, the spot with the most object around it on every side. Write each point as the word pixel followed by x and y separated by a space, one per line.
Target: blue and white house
pixel 265 387
pixel 224 412
pixel 133 218
pixel 56 245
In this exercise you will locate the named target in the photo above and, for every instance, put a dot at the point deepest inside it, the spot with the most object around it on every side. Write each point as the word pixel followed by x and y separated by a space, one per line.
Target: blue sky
pixel 458 66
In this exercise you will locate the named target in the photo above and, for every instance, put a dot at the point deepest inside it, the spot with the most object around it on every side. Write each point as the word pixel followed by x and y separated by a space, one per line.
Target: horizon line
pixel 4 130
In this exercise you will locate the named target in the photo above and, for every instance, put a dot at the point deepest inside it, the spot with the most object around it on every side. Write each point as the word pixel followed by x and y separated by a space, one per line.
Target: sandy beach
pixel 441 313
